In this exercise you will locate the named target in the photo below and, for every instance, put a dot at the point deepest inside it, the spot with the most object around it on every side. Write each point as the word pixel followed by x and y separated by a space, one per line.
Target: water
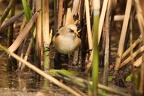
pixel 15 83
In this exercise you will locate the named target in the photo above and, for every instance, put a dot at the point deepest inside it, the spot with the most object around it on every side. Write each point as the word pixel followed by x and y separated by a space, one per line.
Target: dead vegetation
pixel 111 32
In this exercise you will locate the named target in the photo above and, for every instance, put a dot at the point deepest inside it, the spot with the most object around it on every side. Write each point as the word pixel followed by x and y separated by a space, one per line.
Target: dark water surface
pixel 15 84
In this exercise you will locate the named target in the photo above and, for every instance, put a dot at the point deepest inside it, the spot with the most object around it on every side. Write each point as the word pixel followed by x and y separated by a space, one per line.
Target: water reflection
pixel 14 83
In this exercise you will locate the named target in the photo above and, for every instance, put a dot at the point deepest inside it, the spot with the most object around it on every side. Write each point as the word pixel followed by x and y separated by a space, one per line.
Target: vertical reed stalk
pixel 10 31
pixel 55 16
pixel 39 47
pixel 95 61
pixel 107 46
pixel 60 12
pixel 141 27
pixel 26 10
pixel 88 24
pixel 10 63
pixel 131 40
pixel 46 34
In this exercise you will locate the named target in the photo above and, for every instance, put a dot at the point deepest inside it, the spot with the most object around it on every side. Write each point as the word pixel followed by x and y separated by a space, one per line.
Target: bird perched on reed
pixel 66 40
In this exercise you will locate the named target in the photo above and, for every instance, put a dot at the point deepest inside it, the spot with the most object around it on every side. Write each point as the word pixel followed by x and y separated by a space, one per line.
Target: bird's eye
pixel 70 30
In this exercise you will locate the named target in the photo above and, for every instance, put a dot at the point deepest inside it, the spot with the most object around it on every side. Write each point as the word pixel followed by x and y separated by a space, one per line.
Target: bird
pixel 67 39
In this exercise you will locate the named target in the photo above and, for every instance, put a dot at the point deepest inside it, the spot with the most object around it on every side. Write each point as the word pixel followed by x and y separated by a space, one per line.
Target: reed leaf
pixel 26 10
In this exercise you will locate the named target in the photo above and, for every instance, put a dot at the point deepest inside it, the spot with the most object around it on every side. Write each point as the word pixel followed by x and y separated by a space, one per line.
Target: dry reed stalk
pixel 78 90
pixel 89 33
pixel 141 27
pixel 107 42
pixel 81 11
pixel 60 12
pixel 121 18
pixel 46 33
pixel 138 62
pixel 106 61
pixel 138 41
pixel 142 4
pixel 102 17
pixel 75 8
pixel 118 17
pixel 23 24
pixel 55 16
pixel 23 33
pixel 39 45
pixel 140 50
pixel 10 21
pixel 123 35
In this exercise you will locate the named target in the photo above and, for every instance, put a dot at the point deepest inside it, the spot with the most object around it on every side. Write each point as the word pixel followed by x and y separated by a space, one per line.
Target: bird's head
pixel 69 30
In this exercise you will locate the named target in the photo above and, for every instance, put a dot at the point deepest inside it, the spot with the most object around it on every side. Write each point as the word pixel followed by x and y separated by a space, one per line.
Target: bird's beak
pixel 75 32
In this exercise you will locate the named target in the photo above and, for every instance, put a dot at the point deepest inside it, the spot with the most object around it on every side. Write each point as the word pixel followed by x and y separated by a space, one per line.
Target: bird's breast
pixel 65 45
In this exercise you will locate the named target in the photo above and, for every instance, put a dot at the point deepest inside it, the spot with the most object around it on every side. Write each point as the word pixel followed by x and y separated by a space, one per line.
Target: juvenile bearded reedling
pixel 66 40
